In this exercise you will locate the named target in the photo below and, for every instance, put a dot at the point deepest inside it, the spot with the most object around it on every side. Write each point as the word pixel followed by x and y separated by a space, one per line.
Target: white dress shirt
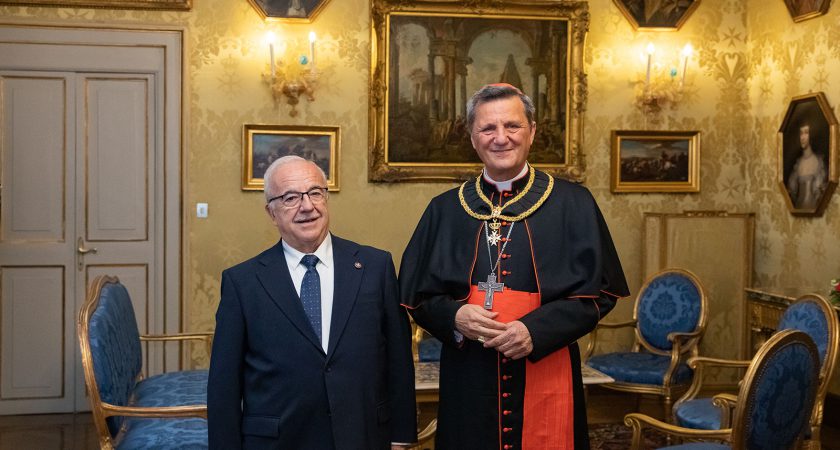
pixel 326 273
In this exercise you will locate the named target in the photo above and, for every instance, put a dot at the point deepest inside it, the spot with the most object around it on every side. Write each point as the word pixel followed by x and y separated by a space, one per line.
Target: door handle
pixel 82 248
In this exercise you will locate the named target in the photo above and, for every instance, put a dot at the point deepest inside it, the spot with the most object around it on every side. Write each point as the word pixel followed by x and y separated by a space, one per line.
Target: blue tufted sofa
pixel 164 411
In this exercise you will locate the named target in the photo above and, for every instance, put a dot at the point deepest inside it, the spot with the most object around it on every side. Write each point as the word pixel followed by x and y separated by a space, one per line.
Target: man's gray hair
pixel 268 186
pixel 493 92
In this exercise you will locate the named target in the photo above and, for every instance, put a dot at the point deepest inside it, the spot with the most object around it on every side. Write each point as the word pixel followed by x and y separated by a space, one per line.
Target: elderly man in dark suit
pixel 312 348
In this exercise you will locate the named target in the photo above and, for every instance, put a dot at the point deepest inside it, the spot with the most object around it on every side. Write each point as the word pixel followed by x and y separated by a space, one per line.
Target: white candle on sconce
pixel 312 47
pixel 270 38
pixel 686 53
pixel 650 50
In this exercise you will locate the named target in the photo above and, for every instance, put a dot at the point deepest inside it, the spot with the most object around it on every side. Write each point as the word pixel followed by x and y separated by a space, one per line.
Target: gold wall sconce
pixel 662 85
pixel 291 78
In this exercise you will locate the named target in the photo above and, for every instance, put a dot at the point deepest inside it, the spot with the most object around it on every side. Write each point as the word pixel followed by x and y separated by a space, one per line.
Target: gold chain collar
pixel 497 212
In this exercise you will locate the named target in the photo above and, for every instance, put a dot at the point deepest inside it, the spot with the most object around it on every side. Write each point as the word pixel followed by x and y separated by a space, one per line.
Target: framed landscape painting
pixel 263 144
pixel 655 161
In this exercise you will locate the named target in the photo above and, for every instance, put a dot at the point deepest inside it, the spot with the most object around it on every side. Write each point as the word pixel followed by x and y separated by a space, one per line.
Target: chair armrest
pixel 199 411
pixel 593 336
pixel 706 361
pixel 726 403
pixel 684 336
pixel 699 364
pixel 628 323
pixel 639 422
pixel 207 338
pixel 428 433
pixel 177 337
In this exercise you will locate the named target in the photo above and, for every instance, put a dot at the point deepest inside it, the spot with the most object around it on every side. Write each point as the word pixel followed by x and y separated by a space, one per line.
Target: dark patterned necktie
pixel 310 293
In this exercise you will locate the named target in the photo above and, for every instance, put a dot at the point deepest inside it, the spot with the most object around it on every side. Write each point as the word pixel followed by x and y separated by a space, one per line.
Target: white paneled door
pixel 86 189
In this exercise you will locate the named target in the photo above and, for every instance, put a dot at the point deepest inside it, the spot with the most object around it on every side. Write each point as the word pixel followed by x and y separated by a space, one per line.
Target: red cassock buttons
pixel 504 224
pixel 507 430
pixel 506 394
pixel 508 447
pixel 505 256
pixel 506 412
pixel 507 377
pixel 506 272
pixel 505 360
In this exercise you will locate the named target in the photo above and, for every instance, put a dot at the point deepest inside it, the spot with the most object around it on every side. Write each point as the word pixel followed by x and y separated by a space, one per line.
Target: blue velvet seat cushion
pixel 699 413
pixel 162 434
pixel 188 387
pixel 638 368
pixel 428 349
pixel 698 446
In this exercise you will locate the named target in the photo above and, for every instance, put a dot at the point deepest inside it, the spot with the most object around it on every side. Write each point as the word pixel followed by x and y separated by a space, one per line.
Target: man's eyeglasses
pixel 292 199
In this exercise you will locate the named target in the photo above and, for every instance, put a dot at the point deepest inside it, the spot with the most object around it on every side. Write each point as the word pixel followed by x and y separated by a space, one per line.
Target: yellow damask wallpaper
pixel 749 60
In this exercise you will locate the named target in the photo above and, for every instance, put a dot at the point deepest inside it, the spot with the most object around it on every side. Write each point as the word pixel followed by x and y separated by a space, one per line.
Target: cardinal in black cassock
pixel 511 255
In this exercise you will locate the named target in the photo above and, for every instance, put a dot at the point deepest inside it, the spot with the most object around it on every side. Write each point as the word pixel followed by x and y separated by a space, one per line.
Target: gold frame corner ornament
pixel 832 155
pixel 691 185
pixel 671 27
pixel 574 14
pixel 254 183
pixel 172 5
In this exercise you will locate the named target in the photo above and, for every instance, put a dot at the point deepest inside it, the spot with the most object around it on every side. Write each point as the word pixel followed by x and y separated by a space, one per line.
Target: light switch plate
pixel 201 210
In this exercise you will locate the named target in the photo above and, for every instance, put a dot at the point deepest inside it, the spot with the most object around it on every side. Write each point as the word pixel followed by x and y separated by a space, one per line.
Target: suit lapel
pixel 348 278
pixel 275 279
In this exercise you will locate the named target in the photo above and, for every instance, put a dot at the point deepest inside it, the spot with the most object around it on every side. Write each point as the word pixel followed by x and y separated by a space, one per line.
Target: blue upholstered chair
pixel 773 406
pixel 669 320
pixel 811 314
pixel 164 411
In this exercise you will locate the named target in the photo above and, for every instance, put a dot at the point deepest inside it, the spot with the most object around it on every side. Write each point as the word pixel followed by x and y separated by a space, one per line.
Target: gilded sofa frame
pixel 102 410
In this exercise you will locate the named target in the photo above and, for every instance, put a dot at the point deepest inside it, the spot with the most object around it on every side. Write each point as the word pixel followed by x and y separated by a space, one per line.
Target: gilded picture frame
pixel 289 11
pixel 806 9
pixel 657 15
pixel 174 5
pixel 655 161
pixel 416 126
pixel 262 144
pixel 808 168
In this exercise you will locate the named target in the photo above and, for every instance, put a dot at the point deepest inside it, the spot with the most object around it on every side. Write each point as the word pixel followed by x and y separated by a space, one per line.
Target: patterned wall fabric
pixel 749 59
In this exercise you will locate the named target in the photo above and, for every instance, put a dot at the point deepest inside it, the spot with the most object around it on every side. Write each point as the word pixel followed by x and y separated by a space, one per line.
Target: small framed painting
pixel 655 161
pixel 262 144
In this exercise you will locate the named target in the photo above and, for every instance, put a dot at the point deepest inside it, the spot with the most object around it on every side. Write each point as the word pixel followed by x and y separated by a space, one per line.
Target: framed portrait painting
pixel 808 167
pixel 655 161
pixel 806 9
pixel 657 15
pixel 430 56
pixel 291 11
pixel 263 144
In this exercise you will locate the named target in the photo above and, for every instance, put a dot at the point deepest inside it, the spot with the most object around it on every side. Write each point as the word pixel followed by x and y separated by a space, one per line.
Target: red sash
pixel 548 415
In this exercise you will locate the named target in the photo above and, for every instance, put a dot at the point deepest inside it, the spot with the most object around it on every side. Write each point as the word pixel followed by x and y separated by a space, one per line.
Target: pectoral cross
pixel 490 287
